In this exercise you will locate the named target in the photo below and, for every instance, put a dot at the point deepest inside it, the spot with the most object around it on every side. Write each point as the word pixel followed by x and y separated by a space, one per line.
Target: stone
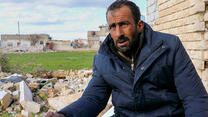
pixel 53 80
pixel 9 109
pixel 31 106
pixel 5 99
pixel 206 55
pixel 199 26
pixel 26 99
pixel 34 85
pixel 29 75
pixel 51 93
pixel 199 7
pixel 60 102
pixel 2 74
pixel 8 86
pixel 61 74
pixel 25 92
pixel 66 91
pixel 26 113
pixel 206 16
pixel 205 74
pixel 109 113
pixel 59 86
pixel 199 64
pixel 17 107
pixel 15 95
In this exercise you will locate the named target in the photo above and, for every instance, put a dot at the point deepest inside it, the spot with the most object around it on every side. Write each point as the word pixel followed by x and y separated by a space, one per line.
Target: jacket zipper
pixel 152 51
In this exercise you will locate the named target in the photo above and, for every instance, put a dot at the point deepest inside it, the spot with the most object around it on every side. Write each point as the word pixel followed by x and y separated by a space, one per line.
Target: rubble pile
pixel 41 92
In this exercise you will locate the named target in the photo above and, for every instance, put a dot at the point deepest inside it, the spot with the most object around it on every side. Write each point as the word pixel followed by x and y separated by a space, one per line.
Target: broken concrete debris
pixel 36 94
pixel 60 102
pixel 13 78
pixel 5 99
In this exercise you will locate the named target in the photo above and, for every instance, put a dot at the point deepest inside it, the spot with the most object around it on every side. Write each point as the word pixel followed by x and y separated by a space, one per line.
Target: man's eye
pixel 123 24
pixel 112 27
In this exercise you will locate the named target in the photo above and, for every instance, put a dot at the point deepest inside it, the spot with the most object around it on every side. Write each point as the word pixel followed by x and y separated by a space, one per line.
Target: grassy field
pixel 29 62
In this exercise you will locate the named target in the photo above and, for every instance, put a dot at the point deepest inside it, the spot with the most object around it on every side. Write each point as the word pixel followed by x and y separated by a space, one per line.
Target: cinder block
pixel 192 36
pixel 173 9
pixel 199 73
pixel 195 54
pixel 169 3
pixel 205 74
pixel 196 45
pixel 199 6
pixel 206 55
pixel 199 26
pixel 199 64
pixel 206 16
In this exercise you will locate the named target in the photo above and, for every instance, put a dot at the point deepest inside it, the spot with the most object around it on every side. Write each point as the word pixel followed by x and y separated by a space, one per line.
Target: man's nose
pixel 119 31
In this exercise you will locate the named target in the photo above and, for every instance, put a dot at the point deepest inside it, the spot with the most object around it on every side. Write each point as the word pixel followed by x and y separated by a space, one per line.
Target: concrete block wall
pixel 187 19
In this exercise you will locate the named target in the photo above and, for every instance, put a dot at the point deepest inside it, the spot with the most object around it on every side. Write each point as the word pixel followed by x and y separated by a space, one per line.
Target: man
pixel 148 73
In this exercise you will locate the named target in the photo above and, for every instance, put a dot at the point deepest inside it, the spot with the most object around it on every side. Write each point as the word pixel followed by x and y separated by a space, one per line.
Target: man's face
pixel 123 28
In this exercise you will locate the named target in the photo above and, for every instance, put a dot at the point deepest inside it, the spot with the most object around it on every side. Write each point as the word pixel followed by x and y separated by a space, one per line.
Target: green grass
pixel 6 115
pixel 29 62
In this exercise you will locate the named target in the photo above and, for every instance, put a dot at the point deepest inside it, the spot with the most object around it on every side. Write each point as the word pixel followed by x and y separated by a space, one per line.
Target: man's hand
pixel 52 114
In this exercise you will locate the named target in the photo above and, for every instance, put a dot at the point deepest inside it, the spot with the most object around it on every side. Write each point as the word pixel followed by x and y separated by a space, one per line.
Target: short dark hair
pixel 120 3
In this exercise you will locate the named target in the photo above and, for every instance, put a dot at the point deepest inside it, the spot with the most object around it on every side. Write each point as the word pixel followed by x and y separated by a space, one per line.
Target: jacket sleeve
pixel 93 100
pixel 189 85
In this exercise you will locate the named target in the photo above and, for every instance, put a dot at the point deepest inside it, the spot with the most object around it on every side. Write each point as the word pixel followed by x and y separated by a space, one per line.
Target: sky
pixel 61 19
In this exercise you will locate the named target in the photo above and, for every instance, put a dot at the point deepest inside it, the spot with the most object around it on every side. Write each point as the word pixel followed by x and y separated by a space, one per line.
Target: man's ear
pixel 140 26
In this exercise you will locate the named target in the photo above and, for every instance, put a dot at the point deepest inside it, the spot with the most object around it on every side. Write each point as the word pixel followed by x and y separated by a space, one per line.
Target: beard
pixel 123 48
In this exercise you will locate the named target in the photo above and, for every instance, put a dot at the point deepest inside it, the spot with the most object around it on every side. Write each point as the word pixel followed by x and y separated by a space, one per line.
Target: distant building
pixel 59 45
pixel 95 38
pixel 31 42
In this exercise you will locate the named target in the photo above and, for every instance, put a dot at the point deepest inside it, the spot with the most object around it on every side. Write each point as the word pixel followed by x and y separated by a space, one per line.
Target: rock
pixel 53 80
pixel 66 91
pixel 25 92
pixel 59 86
pixel 5 99
pixel 8 86
pixel 17 85
pixel 2 75
pixel 31 106
pixel 61 74
pixel 17 107
pixel 26 99
pixel 60 102
pixel 51 93
pixel 26 113
pixel 15 95
pixel 9 109
pixel 19 115
pixel 29 75
pixel 109 113
pixel 34 86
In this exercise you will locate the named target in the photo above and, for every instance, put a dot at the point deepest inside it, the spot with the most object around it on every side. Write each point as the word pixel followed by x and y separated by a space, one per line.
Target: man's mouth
pixel 122 43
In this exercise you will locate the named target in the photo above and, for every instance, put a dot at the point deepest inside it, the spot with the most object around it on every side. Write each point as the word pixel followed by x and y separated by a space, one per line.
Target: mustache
pixel 122 38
